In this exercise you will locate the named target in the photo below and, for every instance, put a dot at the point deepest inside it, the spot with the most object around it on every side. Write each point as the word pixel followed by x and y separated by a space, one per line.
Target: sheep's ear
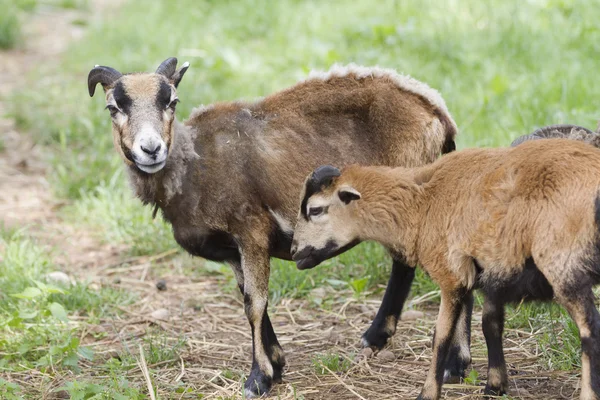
pixel 177 75
pixel 348 194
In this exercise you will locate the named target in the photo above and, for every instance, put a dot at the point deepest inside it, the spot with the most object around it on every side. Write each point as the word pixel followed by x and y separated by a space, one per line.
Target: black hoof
pixel 494 391
pixel 258 384
pixel 374 337
pixel 278 372
pixel 456 367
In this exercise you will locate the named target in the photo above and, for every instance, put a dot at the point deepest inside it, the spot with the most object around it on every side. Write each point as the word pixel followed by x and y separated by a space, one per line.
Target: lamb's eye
pixel 172 104
pixel 314 211
pixel 112 109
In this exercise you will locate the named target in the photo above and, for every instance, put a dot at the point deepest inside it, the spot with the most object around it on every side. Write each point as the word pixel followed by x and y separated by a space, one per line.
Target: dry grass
pixel 209 335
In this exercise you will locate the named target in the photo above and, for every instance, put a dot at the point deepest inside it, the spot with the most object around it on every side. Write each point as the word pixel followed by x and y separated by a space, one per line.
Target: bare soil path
pixel 25 195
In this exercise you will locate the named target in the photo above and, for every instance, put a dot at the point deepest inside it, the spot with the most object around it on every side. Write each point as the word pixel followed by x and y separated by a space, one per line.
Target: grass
pixel 10 25
pixel 331 363
pixel 13 12
pixel 504 68
pixel 38 328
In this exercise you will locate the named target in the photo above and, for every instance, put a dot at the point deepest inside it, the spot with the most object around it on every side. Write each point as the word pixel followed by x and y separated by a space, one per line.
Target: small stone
pixel 160 314
pixel 62 394
pixel 412 315
pixel 386 356
pixel 161 285
pixel 59 277
pixel 117 280
pixel 195 304
pixel 334 337
pixel 365 353
pixel 523 392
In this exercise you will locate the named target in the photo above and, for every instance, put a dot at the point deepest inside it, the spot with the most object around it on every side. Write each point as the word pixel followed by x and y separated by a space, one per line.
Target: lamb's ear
pixel 348 194
pixel 177 75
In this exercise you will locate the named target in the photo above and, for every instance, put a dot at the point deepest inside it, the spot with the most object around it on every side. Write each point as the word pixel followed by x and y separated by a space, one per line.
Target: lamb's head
pixel 142 108
pixel 326 225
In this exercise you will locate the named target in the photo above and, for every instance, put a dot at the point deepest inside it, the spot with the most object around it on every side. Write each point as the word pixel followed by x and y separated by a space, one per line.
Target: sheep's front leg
pixel 459 358
pixel 267 355
pixel 276 354
pixel 493 327
pixel 384 324
pixel 450 309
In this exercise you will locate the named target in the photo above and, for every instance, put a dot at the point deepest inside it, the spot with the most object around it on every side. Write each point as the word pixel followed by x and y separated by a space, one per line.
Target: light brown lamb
pixel 517 223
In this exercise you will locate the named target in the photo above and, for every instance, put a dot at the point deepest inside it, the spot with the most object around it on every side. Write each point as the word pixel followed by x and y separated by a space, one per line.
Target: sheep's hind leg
pixel 581 307
pixel 450 309
pixel 255 265
pixel 459 357
pixel 493 327
pixel 384 324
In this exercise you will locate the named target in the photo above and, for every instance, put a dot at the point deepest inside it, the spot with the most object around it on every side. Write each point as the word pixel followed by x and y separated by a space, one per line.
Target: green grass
pixel 36 329
pixel 10 25
pixel 504 68
pixel 336 363
pixel 14 11
pixel 557 334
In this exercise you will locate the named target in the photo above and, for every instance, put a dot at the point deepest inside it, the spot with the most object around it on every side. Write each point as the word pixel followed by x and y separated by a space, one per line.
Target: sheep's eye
pixel 314 211
pixel 112 109
pixel 172 104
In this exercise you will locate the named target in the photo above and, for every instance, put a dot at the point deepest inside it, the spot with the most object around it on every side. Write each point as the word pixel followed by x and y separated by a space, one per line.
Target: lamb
pixel 519 223
pixel 229 178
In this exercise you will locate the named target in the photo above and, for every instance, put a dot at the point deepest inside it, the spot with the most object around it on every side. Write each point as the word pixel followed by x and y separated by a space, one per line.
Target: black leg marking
pixel 451 307
pixel 493 328
pixel 459 357
pixel 273 348
pixel 259 382
pixel 384 324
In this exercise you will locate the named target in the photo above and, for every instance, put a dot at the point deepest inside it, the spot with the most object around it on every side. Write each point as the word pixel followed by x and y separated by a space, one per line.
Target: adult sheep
pixel 519 223
pixel 229 178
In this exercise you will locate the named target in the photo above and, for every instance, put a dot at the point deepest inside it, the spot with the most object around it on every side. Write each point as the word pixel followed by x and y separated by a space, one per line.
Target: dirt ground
pixel 218 346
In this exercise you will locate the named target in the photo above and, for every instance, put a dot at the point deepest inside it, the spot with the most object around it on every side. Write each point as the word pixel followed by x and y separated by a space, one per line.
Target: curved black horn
pixel 323 175
pixel 103 75
pixel 167 68
pixel 548 132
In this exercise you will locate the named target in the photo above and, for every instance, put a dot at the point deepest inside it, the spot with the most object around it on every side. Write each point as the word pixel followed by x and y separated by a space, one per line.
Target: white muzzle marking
pixel 149 138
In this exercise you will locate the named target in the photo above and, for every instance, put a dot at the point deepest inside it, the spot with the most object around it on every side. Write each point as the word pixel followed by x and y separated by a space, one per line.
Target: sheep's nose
pixel 151 149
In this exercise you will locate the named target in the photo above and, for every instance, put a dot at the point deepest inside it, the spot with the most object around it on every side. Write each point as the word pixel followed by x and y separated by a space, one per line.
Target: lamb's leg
pixel 459 358
pixel 450 309
pixel 581 307
pixel 265 348
pixel 384 324
pixel 276 354
pixel 493 327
